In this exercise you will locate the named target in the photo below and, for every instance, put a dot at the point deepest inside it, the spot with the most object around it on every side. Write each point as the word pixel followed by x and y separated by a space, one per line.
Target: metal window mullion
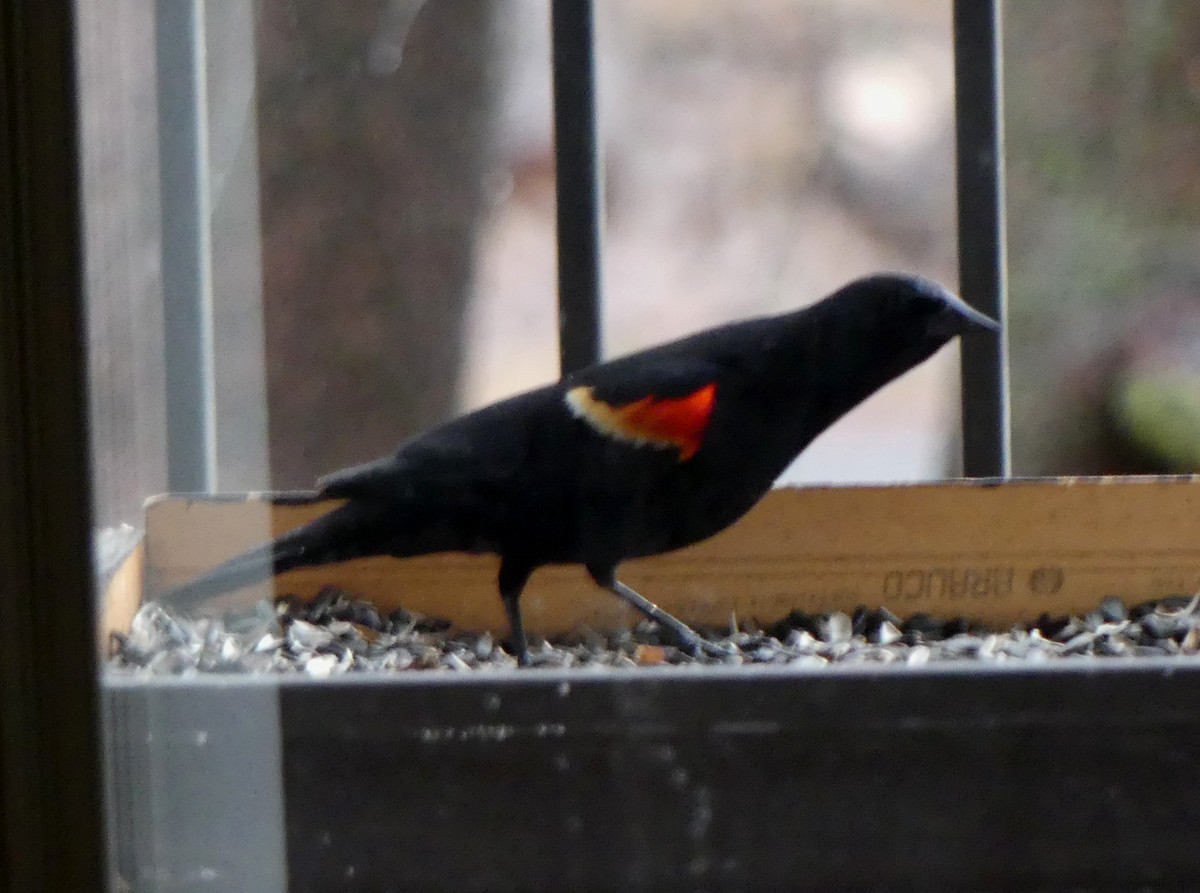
pixel 186 246
pixel 981 238
pixel 578 190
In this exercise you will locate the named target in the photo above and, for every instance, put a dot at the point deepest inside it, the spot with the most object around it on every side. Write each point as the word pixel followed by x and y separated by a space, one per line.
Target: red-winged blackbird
pixel 631 457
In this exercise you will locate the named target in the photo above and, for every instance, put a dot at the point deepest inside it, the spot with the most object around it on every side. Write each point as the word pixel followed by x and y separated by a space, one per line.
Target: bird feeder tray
pixel 1072 774
pixel 995 552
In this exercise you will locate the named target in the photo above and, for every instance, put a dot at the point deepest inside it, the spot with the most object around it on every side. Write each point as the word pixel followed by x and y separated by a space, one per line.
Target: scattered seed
pixel 454 662
pixel 650 655
pixel 321 666
pixel 1113 609
pixel 887 633
pixel 336 633
pixel 918 656
pixel 836 628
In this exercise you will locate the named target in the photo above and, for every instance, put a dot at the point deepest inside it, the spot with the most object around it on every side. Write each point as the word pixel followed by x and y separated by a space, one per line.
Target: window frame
pixel 51 756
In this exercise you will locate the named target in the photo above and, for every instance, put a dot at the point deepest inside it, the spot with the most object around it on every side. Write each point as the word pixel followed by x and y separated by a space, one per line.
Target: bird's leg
pixel 686 637
pixel 512 580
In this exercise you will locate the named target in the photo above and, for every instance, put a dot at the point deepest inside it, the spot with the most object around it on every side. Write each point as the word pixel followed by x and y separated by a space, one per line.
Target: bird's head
pixel 911 310
pixel 917 302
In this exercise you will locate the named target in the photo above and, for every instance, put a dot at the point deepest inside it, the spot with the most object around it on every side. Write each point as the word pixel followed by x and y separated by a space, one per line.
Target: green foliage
pixel 1160 414
pixel 1102 118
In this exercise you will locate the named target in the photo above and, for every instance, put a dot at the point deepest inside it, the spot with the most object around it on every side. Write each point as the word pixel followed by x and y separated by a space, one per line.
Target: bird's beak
pixel 959 318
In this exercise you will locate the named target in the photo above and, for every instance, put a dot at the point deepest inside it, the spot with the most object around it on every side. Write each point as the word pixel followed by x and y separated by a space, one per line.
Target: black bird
pixel 627 458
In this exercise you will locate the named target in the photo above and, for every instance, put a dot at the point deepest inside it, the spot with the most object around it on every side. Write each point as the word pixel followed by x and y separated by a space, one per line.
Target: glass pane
pixel 315 230
pixel 123 259
pixel 1102 137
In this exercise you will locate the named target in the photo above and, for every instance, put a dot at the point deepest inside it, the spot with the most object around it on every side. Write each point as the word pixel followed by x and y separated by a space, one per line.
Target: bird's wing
pixel 359 480
pixel 425 460
pixel 655 372
pixel 662 400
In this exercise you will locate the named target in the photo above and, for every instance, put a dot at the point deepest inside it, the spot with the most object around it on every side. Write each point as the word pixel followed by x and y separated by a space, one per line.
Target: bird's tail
pixel 336 536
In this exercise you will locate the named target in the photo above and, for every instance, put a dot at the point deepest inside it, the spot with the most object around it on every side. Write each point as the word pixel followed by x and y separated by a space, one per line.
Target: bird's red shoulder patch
pixel 662 422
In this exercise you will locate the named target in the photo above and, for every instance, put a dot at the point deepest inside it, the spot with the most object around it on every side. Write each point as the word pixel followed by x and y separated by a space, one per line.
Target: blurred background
pixel 378 215
pixel 756 156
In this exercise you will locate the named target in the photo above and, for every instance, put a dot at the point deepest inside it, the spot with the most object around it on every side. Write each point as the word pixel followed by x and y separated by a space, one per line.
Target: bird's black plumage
pixel 632 457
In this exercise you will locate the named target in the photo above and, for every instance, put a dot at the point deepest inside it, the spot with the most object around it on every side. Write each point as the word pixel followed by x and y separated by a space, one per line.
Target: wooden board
pixel 122 595
pixel 995 551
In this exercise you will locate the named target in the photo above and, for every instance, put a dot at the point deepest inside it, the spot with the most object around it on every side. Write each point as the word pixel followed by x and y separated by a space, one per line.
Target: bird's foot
pixel 519 650
pixel 696 645
pixel 686 638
